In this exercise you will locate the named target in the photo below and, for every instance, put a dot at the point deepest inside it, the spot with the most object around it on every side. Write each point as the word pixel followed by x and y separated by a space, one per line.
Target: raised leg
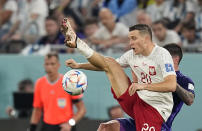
pixel 115 73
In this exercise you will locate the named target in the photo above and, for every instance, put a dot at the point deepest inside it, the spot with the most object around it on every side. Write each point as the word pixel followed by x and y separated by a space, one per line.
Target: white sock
pixel 84 49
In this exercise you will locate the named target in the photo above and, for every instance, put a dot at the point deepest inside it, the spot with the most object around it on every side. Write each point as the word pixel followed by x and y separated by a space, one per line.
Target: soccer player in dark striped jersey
pixel 185 86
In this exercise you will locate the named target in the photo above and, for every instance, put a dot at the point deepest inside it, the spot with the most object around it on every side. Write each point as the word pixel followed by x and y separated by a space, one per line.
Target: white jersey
pixel 152 69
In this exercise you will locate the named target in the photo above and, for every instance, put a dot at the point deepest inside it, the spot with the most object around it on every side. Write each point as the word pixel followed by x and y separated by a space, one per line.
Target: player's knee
pixel 110 62
pixel 110 59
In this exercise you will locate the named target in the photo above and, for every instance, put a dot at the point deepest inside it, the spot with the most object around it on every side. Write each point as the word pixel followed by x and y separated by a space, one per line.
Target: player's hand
pixel 72 63
pixel 135 87
pixel 65 127
pixel 68 32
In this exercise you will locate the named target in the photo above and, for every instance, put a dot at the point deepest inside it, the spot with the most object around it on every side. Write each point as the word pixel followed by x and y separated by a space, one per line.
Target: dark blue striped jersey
pixel 186 83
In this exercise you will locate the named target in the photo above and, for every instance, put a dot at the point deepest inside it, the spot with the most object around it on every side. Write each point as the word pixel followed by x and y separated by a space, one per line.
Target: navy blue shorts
pixel 127 124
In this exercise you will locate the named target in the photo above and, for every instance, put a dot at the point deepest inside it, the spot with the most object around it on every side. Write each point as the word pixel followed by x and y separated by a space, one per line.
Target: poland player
pixel 149 101
pixel 184 92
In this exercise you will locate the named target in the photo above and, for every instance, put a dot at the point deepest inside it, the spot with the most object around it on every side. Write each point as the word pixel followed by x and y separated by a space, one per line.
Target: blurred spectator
pixel 123 10
pixel 25 85
pixel 156 10
pixel 198 16
pixel 53 34
pixel 143 18
pixel 30 21
pixel 90 27
pixel 190 40
pixel 77 9
pixel 48 42
pixel 120 7
pixel 163 36
pixel 111 37
pixel 53 41
pixel 8 11
pixel 178 11
pixel 115 112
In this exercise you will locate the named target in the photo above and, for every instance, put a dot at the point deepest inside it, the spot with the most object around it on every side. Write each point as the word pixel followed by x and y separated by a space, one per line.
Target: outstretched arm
pixel 186 96
pixel 87 66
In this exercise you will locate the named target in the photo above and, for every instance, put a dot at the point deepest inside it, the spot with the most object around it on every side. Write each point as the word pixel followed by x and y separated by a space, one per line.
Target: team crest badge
pixel 169 67
pixel 61 102
pixel 152 70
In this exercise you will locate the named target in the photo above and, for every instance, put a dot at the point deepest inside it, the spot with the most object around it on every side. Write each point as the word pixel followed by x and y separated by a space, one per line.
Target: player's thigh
pixel 117 77
pixel 112 125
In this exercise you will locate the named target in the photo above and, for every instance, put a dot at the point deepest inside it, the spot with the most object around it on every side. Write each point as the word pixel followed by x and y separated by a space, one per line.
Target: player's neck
pixel 149 49
pixel 176 67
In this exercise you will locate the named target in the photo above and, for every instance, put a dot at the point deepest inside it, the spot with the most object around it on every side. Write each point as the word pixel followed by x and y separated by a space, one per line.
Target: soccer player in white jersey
pixel 149 101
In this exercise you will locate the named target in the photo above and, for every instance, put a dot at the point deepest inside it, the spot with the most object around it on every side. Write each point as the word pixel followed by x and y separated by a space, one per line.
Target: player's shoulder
pixel 160 49
pixel 129 53
pixel 41 79
pixel 160 52
pixel 184 78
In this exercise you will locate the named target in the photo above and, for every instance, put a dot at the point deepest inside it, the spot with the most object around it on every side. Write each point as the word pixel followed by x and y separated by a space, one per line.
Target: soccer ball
pixel 74 82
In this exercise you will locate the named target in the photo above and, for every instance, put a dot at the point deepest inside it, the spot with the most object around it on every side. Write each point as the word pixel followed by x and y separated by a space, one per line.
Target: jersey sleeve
pixel 77 97
pixel 166 63
pixel 37 98
pixel 189 86
pixel 123 60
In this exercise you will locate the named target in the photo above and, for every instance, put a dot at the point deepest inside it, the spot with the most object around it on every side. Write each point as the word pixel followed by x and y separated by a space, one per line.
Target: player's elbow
pixel 171 83
pixel 173 86
pixel 190 102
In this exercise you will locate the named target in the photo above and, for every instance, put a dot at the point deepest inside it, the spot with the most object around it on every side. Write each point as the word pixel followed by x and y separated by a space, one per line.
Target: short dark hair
pixel 52 54
pixel 51 18
pixel 90 21
pixel 142 28
pixel 161 21
pixel 175 50
pixel 23 83
pixel 189 25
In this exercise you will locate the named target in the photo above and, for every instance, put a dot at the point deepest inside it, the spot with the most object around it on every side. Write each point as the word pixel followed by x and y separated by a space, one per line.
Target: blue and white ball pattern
pixel 74 82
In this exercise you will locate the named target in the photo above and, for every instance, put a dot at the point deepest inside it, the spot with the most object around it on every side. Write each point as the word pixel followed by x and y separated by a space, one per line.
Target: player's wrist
pixel 145 87
pixel 72 122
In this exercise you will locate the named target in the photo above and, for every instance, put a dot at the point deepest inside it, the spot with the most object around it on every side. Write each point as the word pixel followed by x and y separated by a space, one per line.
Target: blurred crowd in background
pixel 33 26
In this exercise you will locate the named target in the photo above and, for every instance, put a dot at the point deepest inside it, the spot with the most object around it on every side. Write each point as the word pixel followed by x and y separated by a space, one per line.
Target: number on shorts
pixel 147 128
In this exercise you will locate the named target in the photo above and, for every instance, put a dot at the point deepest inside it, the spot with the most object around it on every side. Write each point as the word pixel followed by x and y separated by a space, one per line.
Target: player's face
pixel 137 42
pixel 51 65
